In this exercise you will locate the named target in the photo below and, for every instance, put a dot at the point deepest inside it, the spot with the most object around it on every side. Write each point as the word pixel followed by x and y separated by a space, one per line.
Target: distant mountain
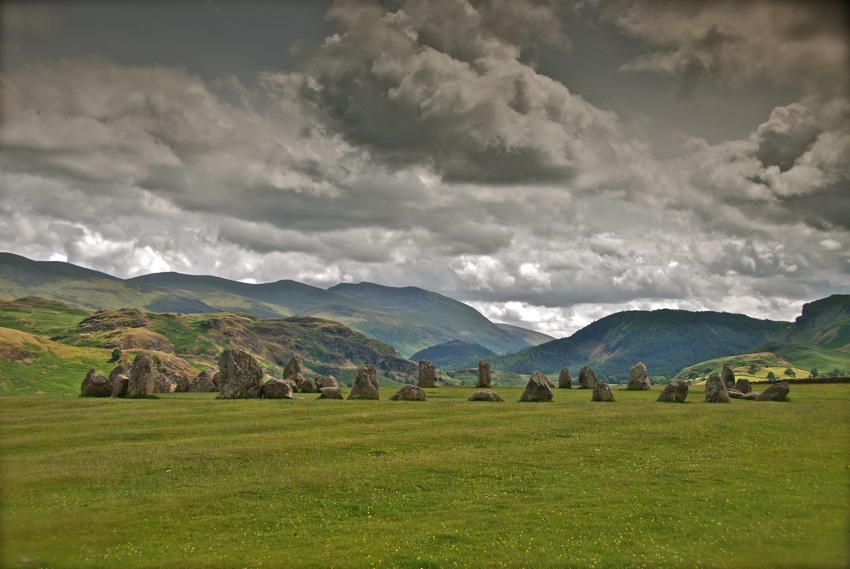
pixel 409 318
pixel 533 337
pixel 454 354
pixel 824 322
pixel 665 340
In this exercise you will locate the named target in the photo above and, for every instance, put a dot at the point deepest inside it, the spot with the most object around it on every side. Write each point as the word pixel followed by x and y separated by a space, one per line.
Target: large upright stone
pixel 409 393
pixel 639 378
pixel 365 385
pixel 565 380
pixel 727 376
pixel 95 385
pixel 602 392
pixel 537 388
pixel 295 366
pixel 715 390
pixel 776 392
pixel 427 374
pixel 485 373
pixel 142 377
pixel 120 383
pixel 586 378
pixel 743 385
pixel 240 375
pixel 676 392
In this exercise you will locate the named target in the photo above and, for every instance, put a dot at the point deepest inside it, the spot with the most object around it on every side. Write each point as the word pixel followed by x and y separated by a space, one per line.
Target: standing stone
pixel 120 369
pixel 676 392
pixel 409 393
pixel 586 378
pixel 294 367
pixel 776 392
pixel 537 388
pixel 296 379
pixel 183 384
pixel 715 390
pixel 639 378
pixel 309 386
pixel 142 377
pixel 162 383
pixel 743 385
pixel 365 385
pixel 204 382
pixel 602 392
pixel 215 378
pixel 427 374
pixel 95 385
pixel 485 395
pixel 565 380
pixel 277 389
pixel 727 376
pixel 485 373
pixel 329 381
pixel 120 383
pixel 241 377
pixel 330 393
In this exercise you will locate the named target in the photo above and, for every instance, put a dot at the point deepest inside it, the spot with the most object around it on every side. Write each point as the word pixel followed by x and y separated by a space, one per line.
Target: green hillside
pixel 454 354
pixel 47 347
pixel 665 340
pixel 410 319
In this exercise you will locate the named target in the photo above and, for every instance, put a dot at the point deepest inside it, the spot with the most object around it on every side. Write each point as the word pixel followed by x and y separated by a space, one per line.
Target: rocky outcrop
pixel 485 374
pixel 715 390
pixel 427 374
pixel 409 393
pixel 95 385
pixel 743 385
pixel 586 378
pixel 537 389
pixel 142 377
pixel 676 392
pixel 330 393
pixel 309 386
pixel 727 376
pixel 114 320
pixel 776 392
pixel 365 385
pixel 602 392
pixel 277 389
pixel 240 375
pixel 565 380
pixel 485 395
pixel 329 381
pixel 639 378
pixel 120 384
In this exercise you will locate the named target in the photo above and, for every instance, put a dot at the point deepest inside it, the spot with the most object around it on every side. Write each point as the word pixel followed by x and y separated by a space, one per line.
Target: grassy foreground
pixel 188 481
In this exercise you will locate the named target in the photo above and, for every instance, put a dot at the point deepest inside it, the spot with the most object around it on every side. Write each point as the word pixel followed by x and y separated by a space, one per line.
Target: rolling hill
pixel 409 318
pixel 454 354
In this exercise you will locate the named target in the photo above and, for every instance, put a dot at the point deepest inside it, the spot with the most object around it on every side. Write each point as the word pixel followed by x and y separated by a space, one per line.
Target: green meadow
pixel 184 480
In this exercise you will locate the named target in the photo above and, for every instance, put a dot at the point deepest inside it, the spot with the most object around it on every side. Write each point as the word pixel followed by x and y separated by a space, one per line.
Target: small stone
pixel 734 393
pixel 277 389
pixel 586 378
pixel 329 393
pixel 409 393
pixel 727 376
pixel 427 374
pixel 602 392
pixel 329 381
pixel 639 378
pixel 743 385
pixel 309 386
pixel 537 389
pixel 676 392
pixel 203 383
pixel 715 390
pixel 565 380
pixel 120 383
pixel 365 385
pixel 295 366
pixel 485 395
pixel 95 385
pixel 775 392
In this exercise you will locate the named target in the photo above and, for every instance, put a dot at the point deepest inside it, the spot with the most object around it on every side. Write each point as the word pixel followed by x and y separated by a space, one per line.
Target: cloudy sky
pixel 547 162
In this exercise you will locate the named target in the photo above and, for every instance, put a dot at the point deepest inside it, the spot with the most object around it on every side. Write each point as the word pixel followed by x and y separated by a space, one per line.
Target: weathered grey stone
pixel 586 378
pixel 743 385
pixel 365 385
pixel 295 379
pixel 309 386
pixel 676 392
pixel 142 377
pixel 215 378
pixel 240 375
pixel 330 393
pixel 120 383
pixel 162 383
pixel 427 374
pixel 295 366
pixel 409 393
pixel 204 382
pixel 715 390
pixel 95 385
pixel 602 392
pixel 639 378
pixel 120 369
pixel 485 373
pixel 183 384
pixel 329 381
pixel 277 389
pixel 734 393
pixel 565 380
pixel 537 389
pixel 727 376
pixel 485 395
pixel 775 392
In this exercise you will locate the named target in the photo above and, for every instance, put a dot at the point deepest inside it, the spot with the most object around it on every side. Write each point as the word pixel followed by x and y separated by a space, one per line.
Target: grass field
pixel 185 480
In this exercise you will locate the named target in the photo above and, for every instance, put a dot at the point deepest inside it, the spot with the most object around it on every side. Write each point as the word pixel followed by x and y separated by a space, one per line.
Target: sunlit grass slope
pixel 189 481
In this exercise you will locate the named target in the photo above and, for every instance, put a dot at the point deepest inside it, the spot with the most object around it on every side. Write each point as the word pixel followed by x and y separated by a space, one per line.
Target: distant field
pixel 189 481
